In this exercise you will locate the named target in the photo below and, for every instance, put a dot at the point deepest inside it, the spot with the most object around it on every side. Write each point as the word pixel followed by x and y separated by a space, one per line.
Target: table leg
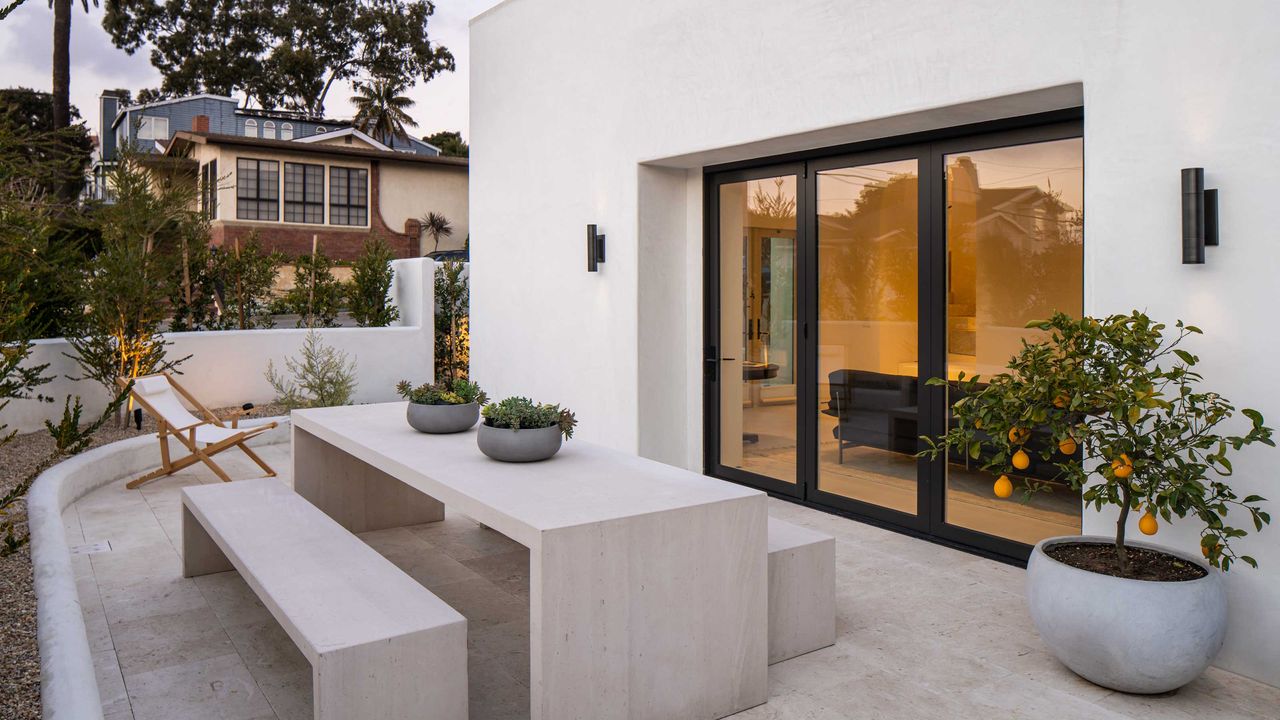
pixel 662 615
pixel 354 493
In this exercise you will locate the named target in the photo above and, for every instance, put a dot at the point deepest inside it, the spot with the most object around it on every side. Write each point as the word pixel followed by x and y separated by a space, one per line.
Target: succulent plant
pixel 519 412
pixel 459 392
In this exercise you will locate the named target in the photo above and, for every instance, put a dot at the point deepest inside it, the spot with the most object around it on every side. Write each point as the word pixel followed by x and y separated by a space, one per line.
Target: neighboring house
pixel 291 178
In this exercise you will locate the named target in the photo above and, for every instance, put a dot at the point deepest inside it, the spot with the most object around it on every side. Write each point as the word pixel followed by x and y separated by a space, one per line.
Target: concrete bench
pixel 802 590
pixel 380 644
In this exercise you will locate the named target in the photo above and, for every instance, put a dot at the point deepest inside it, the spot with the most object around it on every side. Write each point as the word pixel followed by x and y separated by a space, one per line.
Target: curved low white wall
pixel 68 685
pixel 227 367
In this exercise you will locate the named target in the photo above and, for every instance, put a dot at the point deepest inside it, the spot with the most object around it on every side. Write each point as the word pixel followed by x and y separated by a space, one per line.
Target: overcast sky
pixel 26 52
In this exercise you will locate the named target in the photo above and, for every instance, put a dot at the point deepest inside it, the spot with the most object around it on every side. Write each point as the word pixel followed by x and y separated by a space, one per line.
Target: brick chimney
pixel 200 124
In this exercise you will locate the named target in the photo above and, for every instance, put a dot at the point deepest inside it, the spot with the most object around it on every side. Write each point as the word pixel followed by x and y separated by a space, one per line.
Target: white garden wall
pixel 227 367
pixel 628 101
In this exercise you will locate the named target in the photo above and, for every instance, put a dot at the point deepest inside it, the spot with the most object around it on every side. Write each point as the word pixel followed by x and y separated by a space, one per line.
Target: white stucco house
pixel 811 207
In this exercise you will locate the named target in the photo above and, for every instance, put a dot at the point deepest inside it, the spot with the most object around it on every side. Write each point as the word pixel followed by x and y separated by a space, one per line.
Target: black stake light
pixel 595 248
pixel 1199 216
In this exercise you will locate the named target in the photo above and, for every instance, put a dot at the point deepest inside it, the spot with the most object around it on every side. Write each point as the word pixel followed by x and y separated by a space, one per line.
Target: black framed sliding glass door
pixel 839 283
pixel 752 362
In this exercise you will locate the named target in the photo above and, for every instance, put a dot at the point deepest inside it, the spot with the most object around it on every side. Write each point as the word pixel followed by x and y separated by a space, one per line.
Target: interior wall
pixel 613 85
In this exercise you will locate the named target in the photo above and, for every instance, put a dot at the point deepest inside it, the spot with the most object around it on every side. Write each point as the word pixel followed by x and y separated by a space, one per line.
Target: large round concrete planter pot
pixel 516 446
pixel 1135 636
pixel 442 419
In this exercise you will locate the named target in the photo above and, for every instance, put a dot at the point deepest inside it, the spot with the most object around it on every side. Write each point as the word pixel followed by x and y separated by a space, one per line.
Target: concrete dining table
pixel 648 583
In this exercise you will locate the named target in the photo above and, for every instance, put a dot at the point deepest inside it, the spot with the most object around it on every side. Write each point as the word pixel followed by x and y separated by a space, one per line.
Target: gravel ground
pixel 19 654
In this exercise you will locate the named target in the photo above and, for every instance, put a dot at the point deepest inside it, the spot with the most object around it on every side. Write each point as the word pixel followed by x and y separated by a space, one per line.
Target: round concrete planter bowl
pixel 1135 636
pixel 517 446
pixel 442 419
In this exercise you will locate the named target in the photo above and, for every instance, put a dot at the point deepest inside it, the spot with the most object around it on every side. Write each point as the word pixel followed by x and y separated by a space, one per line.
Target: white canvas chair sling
pixel 159 396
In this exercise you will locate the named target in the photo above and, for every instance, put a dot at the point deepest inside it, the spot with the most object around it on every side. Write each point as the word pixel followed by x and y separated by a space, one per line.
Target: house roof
pixel 342 132
pixel 185 98
pixel 186 137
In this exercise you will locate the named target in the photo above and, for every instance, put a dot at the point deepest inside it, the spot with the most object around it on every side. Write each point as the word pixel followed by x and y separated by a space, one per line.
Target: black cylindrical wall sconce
pixel 1199 216
pixel 595 248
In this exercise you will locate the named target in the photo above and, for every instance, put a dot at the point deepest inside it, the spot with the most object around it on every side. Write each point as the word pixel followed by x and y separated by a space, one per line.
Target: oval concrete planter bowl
pixel 442 419
pixel 1135 636
pixel 523 445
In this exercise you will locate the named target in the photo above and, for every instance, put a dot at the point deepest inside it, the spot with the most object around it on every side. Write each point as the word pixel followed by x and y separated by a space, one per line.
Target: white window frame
pixel 320 130
pixel 286 131
pixel 269 130
pixel 251 128
pixel 148 125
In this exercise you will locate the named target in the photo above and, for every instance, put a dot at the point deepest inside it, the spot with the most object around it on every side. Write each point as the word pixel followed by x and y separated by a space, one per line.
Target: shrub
pixel 459 392
pixel 453 341
pixel 193 288
pixel 371 277
pixel 321 376
pixel 316 296
pixel 246 274
pixel 1130 400
pixel 519 412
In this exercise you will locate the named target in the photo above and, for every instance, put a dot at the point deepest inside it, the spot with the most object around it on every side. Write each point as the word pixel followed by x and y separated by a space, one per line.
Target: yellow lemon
pixel 1003 487
pixel 1018 435
pixel 977 424
pixel 1021 460
pixel 1067 446
pixel 1148 524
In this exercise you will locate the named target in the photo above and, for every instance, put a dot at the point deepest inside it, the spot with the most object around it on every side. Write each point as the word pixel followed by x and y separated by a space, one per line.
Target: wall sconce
pixel 1199 216
pixel 595 248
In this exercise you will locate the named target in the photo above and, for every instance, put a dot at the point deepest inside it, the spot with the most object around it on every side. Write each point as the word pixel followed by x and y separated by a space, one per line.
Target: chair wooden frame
pixel 187 436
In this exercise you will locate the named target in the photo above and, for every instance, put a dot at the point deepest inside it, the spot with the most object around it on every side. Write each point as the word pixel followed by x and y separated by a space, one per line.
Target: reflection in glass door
pixel 1015 253
pixel 757 319
pixel 838 285
pixel 868 333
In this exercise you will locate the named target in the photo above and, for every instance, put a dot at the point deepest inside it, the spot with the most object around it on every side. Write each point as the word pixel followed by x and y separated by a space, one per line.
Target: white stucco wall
pixel 627 101
pixel 227 367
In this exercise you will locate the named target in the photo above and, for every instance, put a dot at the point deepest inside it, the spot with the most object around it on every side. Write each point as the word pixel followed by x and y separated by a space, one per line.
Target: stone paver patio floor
pixel 924 631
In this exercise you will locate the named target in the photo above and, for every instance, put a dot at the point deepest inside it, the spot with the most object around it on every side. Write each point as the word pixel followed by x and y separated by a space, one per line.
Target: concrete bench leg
pixel 359 496
pixel 423 675
pixel 200 554
pixel 802 599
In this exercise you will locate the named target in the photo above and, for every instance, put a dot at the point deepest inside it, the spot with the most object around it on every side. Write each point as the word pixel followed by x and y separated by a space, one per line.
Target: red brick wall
pixel 337 243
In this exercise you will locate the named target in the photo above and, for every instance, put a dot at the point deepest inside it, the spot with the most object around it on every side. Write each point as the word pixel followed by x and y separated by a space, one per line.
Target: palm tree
pixel 437 226
pixel 61 55
pixel 381 111
pixel 62 59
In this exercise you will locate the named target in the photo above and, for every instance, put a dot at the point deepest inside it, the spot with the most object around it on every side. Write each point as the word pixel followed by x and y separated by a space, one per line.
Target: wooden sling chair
pixel 159 395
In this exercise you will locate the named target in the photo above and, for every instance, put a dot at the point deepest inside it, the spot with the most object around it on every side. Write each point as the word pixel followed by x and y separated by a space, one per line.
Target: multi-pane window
pixel 209 189
pixel 257 189
pixel 251 128
pixel 286 131
pixel 153 128
pixel 269 130
pixel 303 193
pixel 348 196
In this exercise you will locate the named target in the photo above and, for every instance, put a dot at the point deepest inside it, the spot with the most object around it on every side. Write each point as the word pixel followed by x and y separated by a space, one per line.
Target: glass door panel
pixel 757 318
pixel 1015 253
pixel 868 333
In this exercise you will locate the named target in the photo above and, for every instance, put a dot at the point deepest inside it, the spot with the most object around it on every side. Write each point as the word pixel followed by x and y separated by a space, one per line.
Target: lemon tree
pixel 1128 397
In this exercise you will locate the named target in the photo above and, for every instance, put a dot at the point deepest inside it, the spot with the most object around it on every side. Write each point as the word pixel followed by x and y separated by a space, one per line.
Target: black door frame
pixel 928 149
pixel 712 352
